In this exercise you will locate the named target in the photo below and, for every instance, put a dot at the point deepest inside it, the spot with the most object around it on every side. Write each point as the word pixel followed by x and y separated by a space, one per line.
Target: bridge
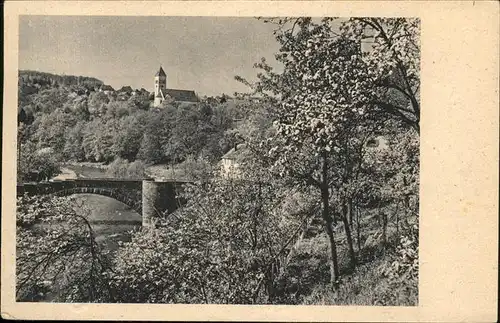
pixel 148 197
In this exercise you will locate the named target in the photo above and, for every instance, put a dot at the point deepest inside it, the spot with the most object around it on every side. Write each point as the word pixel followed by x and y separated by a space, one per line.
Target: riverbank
pixel 66 173
pixel 111 220
pixel 98 170
pixel 88 170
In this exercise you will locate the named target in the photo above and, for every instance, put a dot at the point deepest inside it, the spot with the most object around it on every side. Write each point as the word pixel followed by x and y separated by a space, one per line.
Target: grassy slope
pixel 165 171
pixel 308 271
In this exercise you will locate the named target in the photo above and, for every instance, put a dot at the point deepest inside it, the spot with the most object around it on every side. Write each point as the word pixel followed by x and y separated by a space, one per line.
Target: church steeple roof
pixel 161 72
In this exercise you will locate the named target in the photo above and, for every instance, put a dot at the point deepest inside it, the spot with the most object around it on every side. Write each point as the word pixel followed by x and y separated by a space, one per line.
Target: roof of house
pixel 180 95
pixel 161 72
pixel 107 88
pixel 236 153
pixel 125 89
pixel 378 142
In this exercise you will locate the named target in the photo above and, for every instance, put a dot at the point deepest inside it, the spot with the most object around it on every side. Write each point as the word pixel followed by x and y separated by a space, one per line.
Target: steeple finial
pixel 161 72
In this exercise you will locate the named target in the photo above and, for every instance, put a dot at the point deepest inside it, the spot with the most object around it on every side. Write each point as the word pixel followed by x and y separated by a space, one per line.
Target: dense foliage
pixel 333 97
pixel 226 246
pixel 120 168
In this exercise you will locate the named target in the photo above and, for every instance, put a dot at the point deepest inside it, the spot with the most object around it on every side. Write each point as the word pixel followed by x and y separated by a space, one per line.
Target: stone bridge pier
pixel 157 198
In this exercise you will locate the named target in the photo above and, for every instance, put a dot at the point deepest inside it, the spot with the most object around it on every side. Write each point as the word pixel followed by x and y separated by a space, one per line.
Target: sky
pixel 197 53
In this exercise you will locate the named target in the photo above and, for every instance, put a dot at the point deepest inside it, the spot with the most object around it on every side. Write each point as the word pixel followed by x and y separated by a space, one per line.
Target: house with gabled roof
pixel 126 89
pixel 107 89
pixel 162 93
pixel 231 162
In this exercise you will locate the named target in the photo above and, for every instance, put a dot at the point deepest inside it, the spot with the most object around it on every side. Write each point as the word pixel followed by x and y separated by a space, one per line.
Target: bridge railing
pixel 112 183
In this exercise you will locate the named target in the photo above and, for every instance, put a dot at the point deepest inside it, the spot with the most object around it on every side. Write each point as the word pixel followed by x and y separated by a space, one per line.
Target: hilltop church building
pixel 163 93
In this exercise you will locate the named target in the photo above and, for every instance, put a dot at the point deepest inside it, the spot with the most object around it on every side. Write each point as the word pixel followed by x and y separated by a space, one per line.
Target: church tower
pixel 160 86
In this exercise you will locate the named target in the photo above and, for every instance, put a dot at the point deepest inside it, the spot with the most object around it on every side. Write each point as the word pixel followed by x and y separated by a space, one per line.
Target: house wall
pixel 157 102
pixel 229 167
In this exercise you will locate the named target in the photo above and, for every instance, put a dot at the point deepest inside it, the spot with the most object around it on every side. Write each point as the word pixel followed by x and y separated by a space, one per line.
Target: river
pixel 111 220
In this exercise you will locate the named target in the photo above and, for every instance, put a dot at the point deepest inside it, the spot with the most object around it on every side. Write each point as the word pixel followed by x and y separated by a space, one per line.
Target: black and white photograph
pixel 218 160
pixel 277 161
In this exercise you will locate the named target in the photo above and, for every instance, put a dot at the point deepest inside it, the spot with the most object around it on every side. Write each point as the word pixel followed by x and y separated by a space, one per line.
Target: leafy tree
pixel 139 101
pixel 97 102
pixel 321 101
pixel 397 177
pixel 120 168
pixel 73 147
pixel 226 246
pixel 183 139
pixel 150 150
pixel 57 256
pixel 393 57
pixel 99 138
pixel 390 50
pixel 48 100
pixel 116 110
pixel 36 165
pixel 402 266
pixel 129 137
pixel 136 169
pixel 90 140
pixel 117 168
pixel 81 110
pixel 330 94
pixel 197 169
pixel 52 128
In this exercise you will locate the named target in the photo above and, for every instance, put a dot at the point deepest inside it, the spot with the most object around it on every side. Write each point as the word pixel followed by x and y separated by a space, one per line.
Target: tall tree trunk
pixel 349 210
pixel 346 210
pixel 378 214
pixel 334 267
pixel 327 220
pixel 384 229
pixel 397 219
pixel 406 198
pixel 358 238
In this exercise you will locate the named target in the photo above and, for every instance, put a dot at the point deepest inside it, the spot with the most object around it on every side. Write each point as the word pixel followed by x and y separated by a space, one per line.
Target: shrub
pixel 120 168
pixel 36 165
pixel 57 256
pixel 403 265
pixel 224 246
pixel 197 169
pixel 136 169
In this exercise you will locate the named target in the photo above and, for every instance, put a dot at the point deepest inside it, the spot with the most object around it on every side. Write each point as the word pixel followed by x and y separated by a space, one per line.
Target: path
pixel 65 174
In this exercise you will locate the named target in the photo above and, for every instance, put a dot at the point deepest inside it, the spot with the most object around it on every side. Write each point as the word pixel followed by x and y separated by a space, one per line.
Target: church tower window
pixel 160 84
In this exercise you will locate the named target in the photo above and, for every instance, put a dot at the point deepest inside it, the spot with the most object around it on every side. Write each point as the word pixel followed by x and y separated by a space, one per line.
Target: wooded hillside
pixel 77 121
